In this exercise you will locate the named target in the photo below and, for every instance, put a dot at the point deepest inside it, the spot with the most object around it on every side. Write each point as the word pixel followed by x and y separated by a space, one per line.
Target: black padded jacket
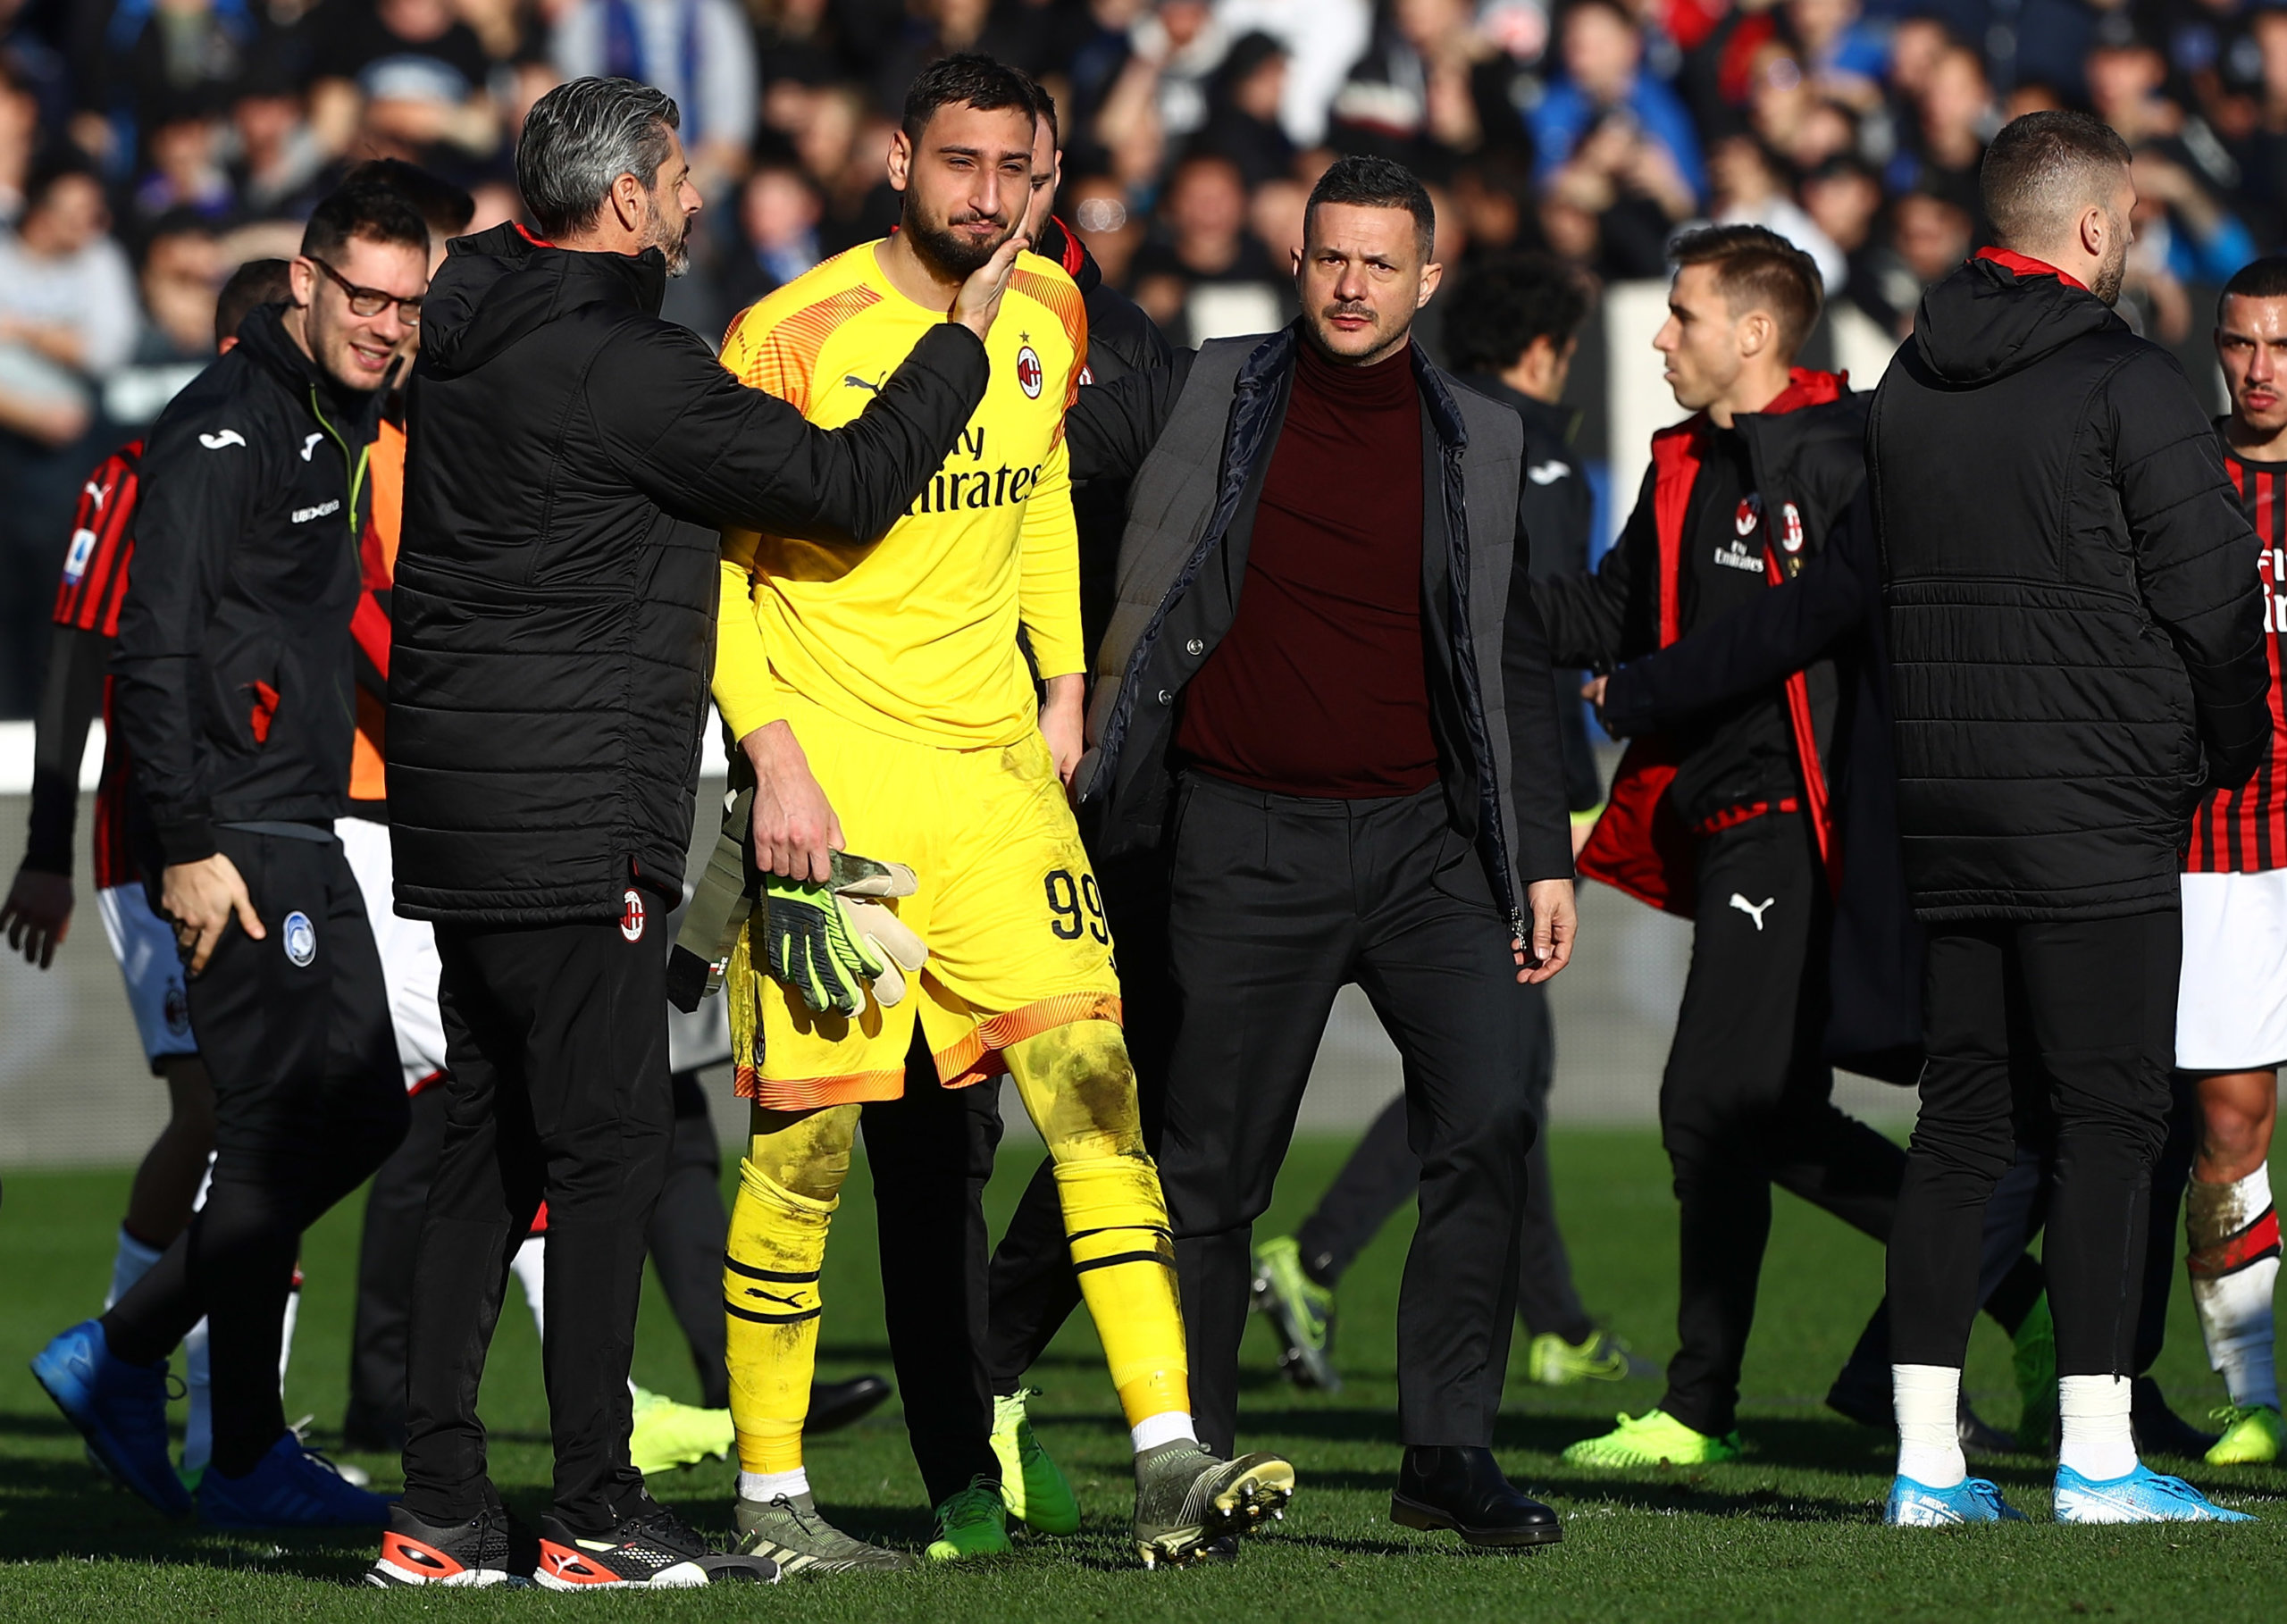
pixel 2075 619
pixel 570 460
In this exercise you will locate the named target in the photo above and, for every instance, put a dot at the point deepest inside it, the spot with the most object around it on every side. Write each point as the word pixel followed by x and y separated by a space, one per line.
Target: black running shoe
pixel 476 1554
pixel 655 1549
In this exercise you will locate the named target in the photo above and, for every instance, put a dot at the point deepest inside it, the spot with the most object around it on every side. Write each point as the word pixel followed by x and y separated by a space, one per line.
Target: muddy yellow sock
pixel 1118 1222
pixel 770 1279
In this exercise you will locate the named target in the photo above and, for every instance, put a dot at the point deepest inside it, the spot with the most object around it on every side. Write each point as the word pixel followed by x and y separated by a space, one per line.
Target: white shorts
pixel 408 948
pixel 2231 1003
pixel 145 946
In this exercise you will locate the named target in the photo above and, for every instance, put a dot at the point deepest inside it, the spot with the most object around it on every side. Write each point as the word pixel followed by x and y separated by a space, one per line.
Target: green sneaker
pixel 788 1530
pixel 1038 1493
pixel 668 1435
pixel 2252 1435
pixel 1655 1438
pixel 1186 1500
pixel 1555 1362
pixel 2033 1359
pixel 1301 1310
pixel 972 1523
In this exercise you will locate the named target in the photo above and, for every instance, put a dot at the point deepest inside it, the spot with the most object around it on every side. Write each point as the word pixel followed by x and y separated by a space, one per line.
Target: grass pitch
pixel 1790 1532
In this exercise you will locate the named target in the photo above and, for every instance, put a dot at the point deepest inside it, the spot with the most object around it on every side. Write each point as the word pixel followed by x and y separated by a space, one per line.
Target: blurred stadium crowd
pixel 149 147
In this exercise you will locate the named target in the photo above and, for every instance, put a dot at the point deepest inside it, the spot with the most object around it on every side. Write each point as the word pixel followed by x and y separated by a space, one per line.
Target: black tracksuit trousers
pixel 2066 1027
pixel 555 1040
pixel 1382 1173
pixel 308 1101
pixel 686 1236
pixel 1745 1100
pixel 1275 902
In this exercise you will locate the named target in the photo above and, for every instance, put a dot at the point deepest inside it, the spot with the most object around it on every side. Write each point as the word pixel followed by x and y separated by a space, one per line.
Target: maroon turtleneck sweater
pixel 1319 687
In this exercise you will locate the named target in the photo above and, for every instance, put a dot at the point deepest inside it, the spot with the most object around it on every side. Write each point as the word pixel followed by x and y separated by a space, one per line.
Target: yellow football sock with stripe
pixel 789 1186
pixel 1076 1083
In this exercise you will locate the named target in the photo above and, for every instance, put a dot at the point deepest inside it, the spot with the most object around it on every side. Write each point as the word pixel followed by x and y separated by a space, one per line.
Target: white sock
pixel 1928 1443
pixel 128 1264
pixel 2099 1442
pixel 2234 1305
pixel 199 1430
pixel 530 1266
pixel 769 1485
pixel 286 1328
pixel 1168 1427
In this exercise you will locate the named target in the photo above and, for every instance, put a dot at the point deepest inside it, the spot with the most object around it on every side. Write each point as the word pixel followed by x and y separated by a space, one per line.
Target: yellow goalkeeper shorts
pixel 1007 906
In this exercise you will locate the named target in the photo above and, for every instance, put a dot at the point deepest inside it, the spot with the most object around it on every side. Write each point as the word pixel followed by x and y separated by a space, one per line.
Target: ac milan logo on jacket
pixel 631 916
pixel 1750 510
pixel 1790 527
pixel 1028 372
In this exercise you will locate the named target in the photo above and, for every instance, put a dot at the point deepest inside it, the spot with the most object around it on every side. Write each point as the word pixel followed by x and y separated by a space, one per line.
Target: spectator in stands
pixel 2185 233
pixel 2262 152
pixel 1612 205
pixel 153 56
pixel 1750 189
pixel 20 136
pixel 1945 143
pixel 1097 207
pixel 181 169
pixel 67 317
pixel 276 169
pixel 409 72
pixel 180 278
pixel 779 210
pixel 699 52
pixel 1208 276
pixel 1243 111
pixel 1602 51
pixel 1431 85
pixel 1323 38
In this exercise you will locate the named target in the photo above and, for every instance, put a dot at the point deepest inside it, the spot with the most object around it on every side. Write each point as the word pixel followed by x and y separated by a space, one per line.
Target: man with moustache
pixel 1324 703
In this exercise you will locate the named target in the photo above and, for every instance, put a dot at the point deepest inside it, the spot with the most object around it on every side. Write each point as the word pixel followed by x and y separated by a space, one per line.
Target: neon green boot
pixel 971 1524
pixel 1655 1438
pixel 1038 1493
pixel 668 1435
pixel 2252 1435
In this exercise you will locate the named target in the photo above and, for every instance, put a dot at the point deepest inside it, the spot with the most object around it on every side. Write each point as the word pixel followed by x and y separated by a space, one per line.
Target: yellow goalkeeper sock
pixel 789 1186
pixel 1077 1085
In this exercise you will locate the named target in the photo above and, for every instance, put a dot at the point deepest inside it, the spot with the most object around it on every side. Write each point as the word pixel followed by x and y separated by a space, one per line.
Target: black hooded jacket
pixel 235 693
pixel 570 460
pixel 2075 618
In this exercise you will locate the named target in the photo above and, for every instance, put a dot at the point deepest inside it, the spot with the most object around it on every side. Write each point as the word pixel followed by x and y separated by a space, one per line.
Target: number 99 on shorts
pixel 1076 908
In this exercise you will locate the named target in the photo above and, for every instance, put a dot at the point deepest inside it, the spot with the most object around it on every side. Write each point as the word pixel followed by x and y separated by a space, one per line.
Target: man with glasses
pixel 234 692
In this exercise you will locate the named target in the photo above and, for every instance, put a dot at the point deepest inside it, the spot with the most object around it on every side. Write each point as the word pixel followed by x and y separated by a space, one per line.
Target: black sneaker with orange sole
pixel 486 1551
pixel 655 1549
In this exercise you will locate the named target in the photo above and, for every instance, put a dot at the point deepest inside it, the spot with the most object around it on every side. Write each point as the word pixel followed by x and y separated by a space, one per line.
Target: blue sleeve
pixel 1556 122
pixel 1666 121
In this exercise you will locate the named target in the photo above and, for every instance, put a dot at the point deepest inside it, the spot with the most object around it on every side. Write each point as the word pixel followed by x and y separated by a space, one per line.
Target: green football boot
pixel 1555 1362
pixel 972 1523
pixel 2252 1435
pixel 2032 1358
pixel 1301 1310
pixel 1038 1493
pixel 1188 1501
pixel 667 1434
pixel 1655 1438
pixel 788 1530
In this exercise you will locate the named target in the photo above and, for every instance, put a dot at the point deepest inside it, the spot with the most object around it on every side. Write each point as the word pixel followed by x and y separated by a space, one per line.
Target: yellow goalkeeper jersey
pixel 915 635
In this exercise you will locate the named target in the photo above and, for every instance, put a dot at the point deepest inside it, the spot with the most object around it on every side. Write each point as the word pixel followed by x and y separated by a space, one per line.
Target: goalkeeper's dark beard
pixel 955 254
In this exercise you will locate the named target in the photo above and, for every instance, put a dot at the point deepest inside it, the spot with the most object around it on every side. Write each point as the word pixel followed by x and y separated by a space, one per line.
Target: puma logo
pixel 228 437
pixel 853 381
pixel 1547 472
pixel 100 493
pixel 756 1290
pixel 310 445
pixel 1753 910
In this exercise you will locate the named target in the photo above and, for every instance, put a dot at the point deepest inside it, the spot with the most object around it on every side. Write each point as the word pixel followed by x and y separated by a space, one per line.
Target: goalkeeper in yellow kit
pixel 883 699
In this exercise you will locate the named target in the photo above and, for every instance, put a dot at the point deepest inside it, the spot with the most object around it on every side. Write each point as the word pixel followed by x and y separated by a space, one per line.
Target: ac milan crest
pixel 1029 375
pixel 1749 511
pixel 1790 527
pixel 631 917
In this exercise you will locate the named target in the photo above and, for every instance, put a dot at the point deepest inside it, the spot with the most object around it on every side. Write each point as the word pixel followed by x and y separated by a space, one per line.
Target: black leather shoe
pixel 836 1405
pixel 1462 1489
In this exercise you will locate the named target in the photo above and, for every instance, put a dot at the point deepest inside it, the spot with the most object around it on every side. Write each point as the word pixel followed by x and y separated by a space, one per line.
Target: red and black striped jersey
pixel 87 599
pixel 95 566
pixel 2244 831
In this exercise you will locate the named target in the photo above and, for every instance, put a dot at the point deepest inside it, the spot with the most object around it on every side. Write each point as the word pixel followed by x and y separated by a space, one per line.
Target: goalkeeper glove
pixel 826 941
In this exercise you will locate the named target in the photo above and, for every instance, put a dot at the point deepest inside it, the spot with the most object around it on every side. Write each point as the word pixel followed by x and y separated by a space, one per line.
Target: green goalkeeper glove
pixel 826 943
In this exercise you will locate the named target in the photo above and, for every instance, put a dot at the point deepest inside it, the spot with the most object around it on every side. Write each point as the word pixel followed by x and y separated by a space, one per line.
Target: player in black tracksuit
pixel 234 692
